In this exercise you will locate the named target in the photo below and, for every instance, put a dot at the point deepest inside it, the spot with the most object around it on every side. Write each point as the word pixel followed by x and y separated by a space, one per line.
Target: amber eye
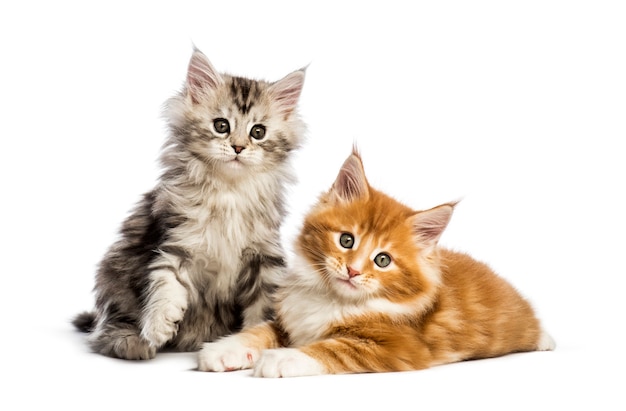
pixel 382 260
pixel 346 240
pixel 221 126
pixel 257 132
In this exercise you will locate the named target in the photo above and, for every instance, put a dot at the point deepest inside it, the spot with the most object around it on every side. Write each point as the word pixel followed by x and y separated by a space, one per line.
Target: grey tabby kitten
pixel 200 255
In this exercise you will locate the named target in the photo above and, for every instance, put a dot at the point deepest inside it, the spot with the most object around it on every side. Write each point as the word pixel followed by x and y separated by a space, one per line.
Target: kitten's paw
pixel 286 362
pixel 161 325
pixel 162 316
pixel 134 348
pixel 227 354
pixel 121 343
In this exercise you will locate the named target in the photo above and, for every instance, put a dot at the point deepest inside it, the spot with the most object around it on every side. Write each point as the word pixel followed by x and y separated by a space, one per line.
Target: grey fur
pixel 200 255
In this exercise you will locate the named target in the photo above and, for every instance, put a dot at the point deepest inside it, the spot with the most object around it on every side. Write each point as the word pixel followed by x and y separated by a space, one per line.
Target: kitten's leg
pixel 257 284
pixel 121 342
pixel 259 310
pixel 165 307
pixel 342 355
pixel 115 332
pixel 238 351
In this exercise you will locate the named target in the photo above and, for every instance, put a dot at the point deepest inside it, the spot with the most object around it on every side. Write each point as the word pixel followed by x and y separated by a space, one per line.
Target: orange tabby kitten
pixel 370 291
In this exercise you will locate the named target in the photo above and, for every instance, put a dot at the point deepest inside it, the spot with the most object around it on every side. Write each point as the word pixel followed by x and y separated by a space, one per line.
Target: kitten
pixel 371 291
pixel 200 255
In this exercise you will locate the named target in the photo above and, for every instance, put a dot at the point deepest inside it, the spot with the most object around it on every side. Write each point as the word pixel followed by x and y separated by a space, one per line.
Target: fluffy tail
pixel 85 322
pixel 546 342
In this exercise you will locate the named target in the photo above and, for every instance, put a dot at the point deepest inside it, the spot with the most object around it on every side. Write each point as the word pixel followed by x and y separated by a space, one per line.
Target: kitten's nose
pixel 238 149
pixel 352 272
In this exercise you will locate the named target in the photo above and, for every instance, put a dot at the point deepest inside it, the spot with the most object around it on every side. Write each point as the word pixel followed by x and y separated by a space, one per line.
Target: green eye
pixel 346 240
pixel 257 132
pixel 221 126
pixel 382 260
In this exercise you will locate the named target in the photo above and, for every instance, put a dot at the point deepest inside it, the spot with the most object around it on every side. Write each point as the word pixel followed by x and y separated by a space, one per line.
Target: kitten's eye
pixel 257 132
pixel 346 240
pixel 221 126
pixel 382 260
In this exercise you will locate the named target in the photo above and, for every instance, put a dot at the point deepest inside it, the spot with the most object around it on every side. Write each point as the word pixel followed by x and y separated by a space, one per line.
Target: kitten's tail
pixel 85 322
pixel 546 342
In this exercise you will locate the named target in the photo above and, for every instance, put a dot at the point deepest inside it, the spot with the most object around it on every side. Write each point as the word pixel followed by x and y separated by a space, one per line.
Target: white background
pixel 518 108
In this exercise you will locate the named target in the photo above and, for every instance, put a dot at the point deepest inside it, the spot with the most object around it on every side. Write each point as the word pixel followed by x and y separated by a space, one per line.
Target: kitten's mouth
pixel 347 282
pixel 235 162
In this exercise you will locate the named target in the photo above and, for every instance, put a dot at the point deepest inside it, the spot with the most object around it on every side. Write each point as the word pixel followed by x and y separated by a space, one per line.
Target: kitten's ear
pixel 429 225
pixel 351 183
pixel 286 91
pixel 201 76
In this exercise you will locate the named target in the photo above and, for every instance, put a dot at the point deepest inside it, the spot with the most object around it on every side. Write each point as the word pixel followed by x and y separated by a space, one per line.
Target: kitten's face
pixel 362 250
pixel 239 135
pixel 363 244
pixel 235 125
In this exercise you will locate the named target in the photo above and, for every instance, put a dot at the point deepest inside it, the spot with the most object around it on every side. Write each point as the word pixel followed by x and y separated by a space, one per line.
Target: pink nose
pixel 352 272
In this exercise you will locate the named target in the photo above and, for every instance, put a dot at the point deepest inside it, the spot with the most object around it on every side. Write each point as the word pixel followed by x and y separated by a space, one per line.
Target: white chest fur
pixel 306 317
pixel 224 220
pixel 306 309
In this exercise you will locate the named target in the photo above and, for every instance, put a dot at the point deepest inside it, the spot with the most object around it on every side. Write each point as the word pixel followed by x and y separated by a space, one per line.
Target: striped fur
pixel 200 255
pixel 340 311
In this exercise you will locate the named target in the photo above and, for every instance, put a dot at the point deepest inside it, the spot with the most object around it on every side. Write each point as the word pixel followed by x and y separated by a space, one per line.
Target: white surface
pixel 517 109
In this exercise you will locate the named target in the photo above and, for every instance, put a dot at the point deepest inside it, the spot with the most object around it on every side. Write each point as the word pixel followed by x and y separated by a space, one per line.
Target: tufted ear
pixel 429 225
pixel 286 92
pixel 201 76
pixel 351 183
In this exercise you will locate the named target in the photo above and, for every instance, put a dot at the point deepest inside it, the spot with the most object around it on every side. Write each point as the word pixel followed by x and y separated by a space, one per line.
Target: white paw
pixel 286 362
pixel 160 324
pixel 227 354
pixel 165 309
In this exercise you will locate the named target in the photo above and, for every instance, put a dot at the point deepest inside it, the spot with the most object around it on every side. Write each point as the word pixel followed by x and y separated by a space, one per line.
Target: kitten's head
pixel 364 244
pixel 236 126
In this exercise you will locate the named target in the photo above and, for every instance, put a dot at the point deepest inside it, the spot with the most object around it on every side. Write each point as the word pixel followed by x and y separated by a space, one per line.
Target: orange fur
pixel 429 306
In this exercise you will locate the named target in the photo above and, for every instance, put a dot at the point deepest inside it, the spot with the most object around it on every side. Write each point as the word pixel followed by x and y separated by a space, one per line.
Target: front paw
pixel 227 354
pixel 286 362
pixel 160 322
